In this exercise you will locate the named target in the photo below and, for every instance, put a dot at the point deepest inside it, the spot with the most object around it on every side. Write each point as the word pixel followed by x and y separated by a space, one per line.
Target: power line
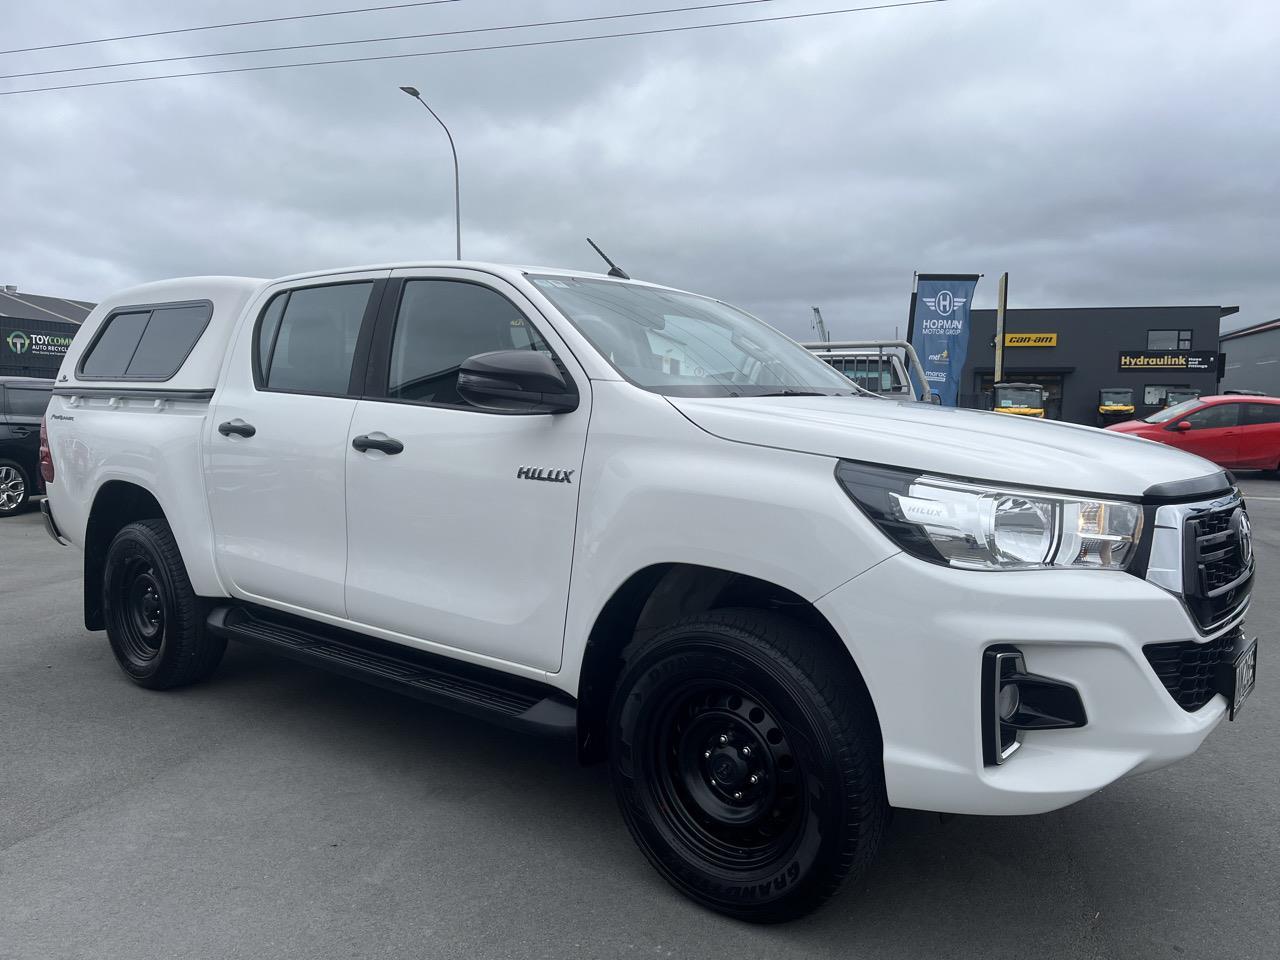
pixel 224 26
pixel 496 46
pixel 407 36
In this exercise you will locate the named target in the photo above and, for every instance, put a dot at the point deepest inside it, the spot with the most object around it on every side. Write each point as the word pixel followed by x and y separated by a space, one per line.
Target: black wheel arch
pixel 656 596
pixel 117 504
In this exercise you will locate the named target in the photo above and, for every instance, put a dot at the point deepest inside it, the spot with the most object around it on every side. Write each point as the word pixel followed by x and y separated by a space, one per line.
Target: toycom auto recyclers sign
pixel 24 346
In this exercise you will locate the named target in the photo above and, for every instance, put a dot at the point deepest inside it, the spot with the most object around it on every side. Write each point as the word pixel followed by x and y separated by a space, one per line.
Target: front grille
pixel 1189 670
pixel 1217 571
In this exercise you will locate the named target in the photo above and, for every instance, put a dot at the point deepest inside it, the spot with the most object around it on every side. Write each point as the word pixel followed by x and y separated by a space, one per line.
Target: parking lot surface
pixel 278 811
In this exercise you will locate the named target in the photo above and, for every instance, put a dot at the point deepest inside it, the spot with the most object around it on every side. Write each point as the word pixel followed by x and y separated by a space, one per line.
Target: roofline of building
pixel 1252 328
pixel 1222 311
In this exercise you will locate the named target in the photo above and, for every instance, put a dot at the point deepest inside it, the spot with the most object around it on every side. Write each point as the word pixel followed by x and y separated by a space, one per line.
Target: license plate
pixel 1243 673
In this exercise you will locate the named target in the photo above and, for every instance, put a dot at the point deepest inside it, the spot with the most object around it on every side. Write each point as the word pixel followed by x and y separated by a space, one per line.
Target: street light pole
pixel 457 193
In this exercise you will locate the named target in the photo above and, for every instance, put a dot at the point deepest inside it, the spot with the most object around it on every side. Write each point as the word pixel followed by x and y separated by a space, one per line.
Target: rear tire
pixel 718 699
pixel 15 488
pixel 155 621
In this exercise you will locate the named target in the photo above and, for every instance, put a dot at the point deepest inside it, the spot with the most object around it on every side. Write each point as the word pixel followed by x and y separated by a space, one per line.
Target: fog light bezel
pixel 1043 703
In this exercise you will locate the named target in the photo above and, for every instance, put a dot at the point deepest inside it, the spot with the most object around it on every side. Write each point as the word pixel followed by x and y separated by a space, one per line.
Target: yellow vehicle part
pixel 1022 411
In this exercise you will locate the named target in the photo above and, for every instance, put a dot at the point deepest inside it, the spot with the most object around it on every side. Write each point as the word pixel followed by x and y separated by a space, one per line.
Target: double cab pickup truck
pixel 647 522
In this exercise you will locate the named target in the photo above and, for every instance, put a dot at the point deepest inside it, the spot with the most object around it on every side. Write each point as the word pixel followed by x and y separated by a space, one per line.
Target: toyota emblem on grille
pixel 1244 536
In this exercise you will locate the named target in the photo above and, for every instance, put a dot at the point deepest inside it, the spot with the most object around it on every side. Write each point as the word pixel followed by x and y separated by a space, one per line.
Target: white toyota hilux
pixel 644 520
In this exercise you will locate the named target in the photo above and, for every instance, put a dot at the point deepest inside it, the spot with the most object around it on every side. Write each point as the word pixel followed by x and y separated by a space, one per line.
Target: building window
pixel 1168 339
pixel 1155 394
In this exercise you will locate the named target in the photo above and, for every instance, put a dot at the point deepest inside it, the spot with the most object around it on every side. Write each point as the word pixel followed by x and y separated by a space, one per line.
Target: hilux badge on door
pixel 538 473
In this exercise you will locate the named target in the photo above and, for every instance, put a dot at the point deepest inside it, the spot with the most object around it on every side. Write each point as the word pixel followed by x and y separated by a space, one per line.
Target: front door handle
pixel 238 427
pixel 388 445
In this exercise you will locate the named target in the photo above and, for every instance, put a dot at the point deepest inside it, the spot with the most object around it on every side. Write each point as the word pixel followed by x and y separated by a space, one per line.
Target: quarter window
pixel 1211 418
pixel 148 343
pixel 307 338
pixel 439 325
pixel 1168 339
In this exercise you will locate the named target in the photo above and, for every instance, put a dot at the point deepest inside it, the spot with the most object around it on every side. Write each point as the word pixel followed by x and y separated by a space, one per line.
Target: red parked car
pixel 1242 432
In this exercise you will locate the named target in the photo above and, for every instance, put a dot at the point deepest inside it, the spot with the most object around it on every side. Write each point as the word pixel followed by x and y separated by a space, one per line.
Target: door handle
pixel 388 445
pixel 21 431
pixel 238 427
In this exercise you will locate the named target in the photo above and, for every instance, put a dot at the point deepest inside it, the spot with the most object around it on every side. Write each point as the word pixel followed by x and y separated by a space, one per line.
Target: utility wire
pixel 224 26
pixel 496 46
pixel 407 36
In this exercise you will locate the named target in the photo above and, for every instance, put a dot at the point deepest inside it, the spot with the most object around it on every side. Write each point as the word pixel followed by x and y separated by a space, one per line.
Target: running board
pixel 489 694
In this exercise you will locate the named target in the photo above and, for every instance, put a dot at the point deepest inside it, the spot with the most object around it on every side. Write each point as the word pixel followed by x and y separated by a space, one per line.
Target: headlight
pixel 981 527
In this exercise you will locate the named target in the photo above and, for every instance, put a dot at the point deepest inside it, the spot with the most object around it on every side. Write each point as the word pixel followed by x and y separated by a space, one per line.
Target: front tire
pixel 15 488
pixel 155 621
pixel 746 759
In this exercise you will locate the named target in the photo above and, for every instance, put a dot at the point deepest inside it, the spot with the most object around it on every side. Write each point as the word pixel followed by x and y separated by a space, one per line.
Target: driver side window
pixel 439 324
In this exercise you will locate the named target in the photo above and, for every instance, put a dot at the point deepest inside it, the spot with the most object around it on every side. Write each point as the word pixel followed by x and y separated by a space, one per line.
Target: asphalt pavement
pixel 278 811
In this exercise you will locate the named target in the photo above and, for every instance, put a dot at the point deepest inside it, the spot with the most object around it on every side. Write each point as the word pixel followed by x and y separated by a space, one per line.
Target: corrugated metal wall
pixel 1253 362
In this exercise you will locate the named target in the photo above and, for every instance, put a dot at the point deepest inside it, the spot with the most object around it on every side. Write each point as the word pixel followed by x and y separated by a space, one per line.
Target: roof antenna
pixel 614 269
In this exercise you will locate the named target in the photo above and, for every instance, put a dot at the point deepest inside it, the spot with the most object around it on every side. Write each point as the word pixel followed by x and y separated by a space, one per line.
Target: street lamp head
pixel 411 91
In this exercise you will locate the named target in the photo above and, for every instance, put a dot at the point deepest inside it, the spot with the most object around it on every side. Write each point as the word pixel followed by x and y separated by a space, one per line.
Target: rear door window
pixel 307 338
pixel 27 401
pixel 1260 413
pixel 145 344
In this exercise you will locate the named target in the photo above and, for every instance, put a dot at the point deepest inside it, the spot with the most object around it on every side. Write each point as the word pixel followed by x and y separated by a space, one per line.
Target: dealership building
pixel 1074 353
pixel 35 331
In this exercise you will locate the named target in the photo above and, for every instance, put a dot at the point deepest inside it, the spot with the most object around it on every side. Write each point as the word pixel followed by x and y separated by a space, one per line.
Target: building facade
pixel 1074 353
pixel 35 332
pixel 1251 358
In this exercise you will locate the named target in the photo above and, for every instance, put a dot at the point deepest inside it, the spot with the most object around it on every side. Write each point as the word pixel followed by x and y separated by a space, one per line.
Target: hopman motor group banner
pixel 939 329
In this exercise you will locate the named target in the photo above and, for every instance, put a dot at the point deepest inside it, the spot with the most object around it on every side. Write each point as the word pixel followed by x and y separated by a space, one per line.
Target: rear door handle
pixel 238 427
pixel 388 445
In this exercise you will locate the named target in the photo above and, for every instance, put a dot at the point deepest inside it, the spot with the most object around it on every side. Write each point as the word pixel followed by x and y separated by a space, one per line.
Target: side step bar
pixel 489 694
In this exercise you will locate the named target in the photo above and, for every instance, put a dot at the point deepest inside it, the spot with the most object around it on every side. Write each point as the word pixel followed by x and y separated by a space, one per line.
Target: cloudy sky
pixel 1102 151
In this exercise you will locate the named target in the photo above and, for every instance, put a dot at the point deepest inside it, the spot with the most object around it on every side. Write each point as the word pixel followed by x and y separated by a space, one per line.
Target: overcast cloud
pixel 1102 151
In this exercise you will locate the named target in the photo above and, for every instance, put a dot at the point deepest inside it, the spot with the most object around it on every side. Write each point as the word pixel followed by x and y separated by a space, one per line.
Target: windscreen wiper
pixel 796 393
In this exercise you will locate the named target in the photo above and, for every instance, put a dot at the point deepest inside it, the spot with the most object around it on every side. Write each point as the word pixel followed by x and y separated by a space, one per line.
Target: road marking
pixel 1269 499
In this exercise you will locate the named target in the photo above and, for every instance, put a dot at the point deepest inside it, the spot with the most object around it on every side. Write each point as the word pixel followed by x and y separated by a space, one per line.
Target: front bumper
pixel 917 632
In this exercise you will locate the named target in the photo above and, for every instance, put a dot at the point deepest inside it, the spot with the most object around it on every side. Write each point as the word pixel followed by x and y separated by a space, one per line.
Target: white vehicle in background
pixel 645 521
pixel 877 366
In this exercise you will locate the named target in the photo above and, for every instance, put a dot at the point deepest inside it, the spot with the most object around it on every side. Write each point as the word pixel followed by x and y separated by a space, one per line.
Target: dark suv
pixel 22 403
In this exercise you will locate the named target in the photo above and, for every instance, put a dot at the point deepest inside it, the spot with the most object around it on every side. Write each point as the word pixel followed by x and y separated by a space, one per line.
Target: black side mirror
pixel 516 381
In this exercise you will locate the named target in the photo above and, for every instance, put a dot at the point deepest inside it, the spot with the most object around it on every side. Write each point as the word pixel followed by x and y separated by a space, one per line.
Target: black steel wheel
pixel 154 618
pixel 746 761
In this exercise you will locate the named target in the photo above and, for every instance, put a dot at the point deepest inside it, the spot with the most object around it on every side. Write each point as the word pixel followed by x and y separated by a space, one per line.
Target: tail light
pixel 46 455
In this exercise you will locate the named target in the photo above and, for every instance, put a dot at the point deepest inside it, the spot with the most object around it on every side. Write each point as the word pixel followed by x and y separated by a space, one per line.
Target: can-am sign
pixel 36 344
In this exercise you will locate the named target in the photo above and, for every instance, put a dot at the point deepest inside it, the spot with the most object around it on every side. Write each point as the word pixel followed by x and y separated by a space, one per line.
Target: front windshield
pixel 1018 397
pixel 683 345
pixel 1117 397
pixel 1175 412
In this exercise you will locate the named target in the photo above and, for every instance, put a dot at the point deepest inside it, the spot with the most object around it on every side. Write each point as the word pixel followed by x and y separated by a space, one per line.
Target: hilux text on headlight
pixel 980 527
